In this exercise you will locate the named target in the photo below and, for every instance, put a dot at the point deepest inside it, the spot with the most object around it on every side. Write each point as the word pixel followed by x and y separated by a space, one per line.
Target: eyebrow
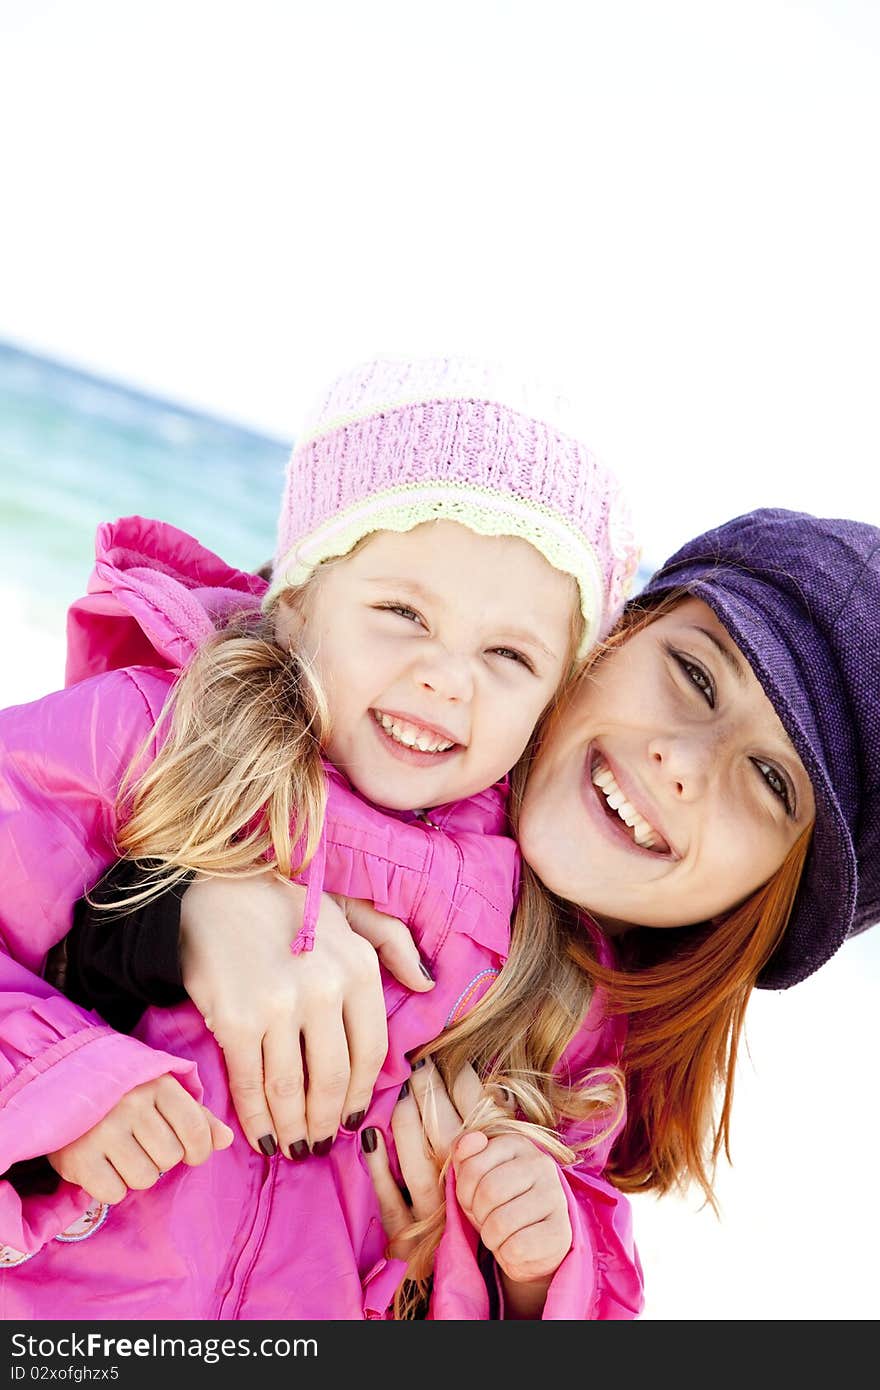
pixel 732 660
pixel 417 590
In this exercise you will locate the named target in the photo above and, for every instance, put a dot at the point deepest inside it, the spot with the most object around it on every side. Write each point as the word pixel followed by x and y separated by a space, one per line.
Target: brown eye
pixel 510 655
pixel 403 610
pixel 776 782
pixel 696 675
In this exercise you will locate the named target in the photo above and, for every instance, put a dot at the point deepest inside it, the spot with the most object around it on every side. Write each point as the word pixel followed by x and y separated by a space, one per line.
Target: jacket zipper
pixel 253 1244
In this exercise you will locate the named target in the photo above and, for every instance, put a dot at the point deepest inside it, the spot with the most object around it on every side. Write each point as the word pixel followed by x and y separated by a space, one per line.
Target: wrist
pixel 523 1298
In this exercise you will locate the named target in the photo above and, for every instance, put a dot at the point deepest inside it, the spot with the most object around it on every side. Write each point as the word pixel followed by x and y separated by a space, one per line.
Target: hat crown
pixel 394 443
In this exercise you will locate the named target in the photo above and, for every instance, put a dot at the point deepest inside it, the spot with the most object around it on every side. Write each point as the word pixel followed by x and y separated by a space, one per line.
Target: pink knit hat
pixel 395 443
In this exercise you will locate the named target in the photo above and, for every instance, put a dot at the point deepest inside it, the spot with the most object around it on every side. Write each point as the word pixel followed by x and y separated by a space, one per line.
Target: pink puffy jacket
pixel 242 1236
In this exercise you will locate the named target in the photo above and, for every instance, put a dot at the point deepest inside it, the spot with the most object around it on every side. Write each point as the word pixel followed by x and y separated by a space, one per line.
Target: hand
pixel 425 1123
pixel 266 1007
pixel 511 1192
pixel 149 1131
pixel 507 1187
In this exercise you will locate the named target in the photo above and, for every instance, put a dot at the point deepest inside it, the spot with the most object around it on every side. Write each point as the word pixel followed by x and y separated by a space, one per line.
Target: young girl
pixel 445 554
pixel 708 794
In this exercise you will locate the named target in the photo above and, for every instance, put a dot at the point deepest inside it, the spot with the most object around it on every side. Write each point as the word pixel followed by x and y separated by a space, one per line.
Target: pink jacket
pixel 242 1236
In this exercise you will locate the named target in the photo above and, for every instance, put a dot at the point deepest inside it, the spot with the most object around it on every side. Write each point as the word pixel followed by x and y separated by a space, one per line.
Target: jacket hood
pixel 154 596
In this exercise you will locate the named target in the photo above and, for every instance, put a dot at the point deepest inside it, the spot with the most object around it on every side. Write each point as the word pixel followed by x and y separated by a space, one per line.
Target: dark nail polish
pixel 268 1145
pixel 404 1090
pixel 322 1147
pixel 420 1063
pixel 354 1121
pixel 425 971
pixel 299 1151
pixel 369 1140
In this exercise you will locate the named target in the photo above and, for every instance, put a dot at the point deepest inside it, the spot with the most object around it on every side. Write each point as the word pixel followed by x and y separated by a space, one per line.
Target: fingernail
pixel 354 1121
pixel 420 1063
pixel 425 971
pixel 268 1145
pixel 299 1151
pixel 404 1090
pixel 369 1140
pixel 322 1147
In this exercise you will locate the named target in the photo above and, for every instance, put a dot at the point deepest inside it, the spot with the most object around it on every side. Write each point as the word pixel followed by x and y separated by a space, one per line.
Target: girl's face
pixel 667 789
pixel 437 650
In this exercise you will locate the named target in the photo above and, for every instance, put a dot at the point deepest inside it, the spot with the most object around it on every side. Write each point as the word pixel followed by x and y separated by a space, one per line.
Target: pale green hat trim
pixel 403 507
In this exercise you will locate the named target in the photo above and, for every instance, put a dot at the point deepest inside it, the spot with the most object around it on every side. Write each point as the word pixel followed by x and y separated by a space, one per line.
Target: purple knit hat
pixel 395 443
pixel 800 596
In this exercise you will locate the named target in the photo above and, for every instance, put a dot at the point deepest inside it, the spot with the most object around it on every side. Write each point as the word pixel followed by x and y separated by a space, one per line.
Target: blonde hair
pixel 239 780
pixel 514 1038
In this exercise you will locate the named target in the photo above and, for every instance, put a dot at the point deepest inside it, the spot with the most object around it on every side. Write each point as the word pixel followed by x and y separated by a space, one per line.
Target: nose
pixel 445 674
pixel 684 764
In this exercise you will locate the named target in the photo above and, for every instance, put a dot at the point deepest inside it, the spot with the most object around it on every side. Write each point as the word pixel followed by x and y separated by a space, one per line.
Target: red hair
pixel 685 992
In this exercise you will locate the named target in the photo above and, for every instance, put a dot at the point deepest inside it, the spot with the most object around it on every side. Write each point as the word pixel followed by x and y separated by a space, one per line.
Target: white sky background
pixel 671 209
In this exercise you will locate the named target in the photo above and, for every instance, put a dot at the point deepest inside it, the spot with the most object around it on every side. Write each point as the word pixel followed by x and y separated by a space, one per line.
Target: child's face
pixel 676 731
pixel 437 650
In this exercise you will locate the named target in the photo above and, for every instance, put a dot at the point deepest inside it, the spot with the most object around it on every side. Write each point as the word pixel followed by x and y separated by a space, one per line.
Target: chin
pixel 391 800
pixel 533 841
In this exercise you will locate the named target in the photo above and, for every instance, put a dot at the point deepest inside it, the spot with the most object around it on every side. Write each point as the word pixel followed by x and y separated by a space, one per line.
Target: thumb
pixel 221 1135
pixel 473 1141
pixel 392 941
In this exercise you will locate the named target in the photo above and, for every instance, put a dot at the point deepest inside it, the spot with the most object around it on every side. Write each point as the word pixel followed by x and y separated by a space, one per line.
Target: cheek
pixel 741 856
pixel 550 853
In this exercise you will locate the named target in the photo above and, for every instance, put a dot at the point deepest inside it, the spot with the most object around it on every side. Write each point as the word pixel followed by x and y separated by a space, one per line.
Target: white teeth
pixel 411 736
pixel 603 778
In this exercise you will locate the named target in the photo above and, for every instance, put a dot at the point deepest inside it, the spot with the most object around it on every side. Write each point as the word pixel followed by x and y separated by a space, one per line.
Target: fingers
pixel 441 1119
pixel 243 1053
pixel 419 1169
pixel 366 1030
pixel 283 1084
pixel 221 1135
pixel 329 1071
pixel 106 1176
pixel 467 1091
pixel 472 1168
pixel 150 1130
pixel 396 1215
pixel 511 1219
pixel 179 1125
pixel 498 1188
pixel 473 1141
pixel 96 1175
pixel 512 1194
pixel 392 940
pixel 161 1145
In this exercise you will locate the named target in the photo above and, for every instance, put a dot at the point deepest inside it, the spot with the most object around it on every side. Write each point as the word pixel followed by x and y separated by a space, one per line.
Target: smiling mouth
pixel 413 736
pixel 615 804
